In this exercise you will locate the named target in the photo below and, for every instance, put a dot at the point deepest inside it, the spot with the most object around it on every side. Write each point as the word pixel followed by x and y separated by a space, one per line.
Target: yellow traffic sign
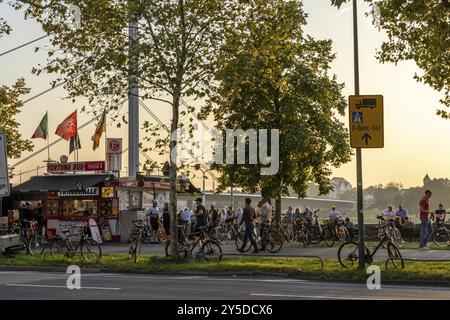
pixel 366 121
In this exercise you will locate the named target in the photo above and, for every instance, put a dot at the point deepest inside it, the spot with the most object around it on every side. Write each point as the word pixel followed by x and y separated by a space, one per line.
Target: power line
pixel 168 131
pixel 23 45
pixel 43 92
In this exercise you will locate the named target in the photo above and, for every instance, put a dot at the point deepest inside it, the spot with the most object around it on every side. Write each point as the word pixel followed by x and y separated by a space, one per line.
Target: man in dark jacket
pixel 248 216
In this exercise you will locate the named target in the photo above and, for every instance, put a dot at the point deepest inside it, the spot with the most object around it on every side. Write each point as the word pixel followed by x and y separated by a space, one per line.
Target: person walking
pixel 248 216
pixel 425 224
pixel 153 213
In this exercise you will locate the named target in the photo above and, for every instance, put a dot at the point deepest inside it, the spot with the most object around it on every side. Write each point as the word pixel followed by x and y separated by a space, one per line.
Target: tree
pixel 10 106
pixel 273 76
pixel 419 31
pixel 176 51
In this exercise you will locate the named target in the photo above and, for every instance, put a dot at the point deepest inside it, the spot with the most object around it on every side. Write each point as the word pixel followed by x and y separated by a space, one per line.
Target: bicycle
pixel 136 239
pixel 34 240
pixel 322 232
pixel 348 254
pixel 441 234
pixel 267 236
pixel 389 229
pixel 210 249
pixel 85 244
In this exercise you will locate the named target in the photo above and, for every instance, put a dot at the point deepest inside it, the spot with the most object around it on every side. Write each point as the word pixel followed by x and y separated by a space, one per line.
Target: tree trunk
pixel 278 208
pixel 173 178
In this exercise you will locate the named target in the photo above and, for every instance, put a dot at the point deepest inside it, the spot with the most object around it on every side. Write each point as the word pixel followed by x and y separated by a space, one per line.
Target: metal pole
pixel 359 188
pixel 133 100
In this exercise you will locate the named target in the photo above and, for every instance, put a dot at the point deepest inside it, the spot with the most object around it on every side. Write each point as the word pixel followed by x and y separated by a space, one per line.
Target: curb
pixel 46 269
pixel 256 274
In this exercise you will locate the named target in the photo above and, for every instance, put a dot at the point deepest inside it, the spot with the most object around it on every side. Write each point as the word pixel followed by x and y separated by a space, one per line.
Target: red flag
pixel 68 128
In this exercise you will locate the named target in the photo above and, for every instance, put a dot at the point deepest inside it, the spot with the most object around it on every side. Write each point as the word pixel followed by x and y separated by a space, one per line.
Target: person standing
pixel 154 220
pixel 248 216
pixel 214 215
pixel 185 216
pixel 266 217
pixel 201 215
pixel 425 224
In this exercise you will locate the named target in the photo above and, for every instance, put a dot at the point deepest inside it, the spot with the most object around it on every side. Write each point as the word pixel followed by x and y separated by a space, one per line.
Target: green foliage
pixel 273 76
pixel 10 106
pixel 420 31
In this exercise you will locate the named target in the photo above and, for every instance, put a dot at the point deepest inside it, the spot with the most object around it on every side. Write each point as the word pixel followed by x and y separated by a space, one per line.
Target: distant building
pixel 426 179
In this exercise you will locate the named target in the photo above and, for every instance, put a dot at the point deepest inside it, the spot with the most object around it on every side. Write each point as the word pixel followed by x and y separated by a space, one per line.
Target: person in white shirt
pixel 186 218
pixel 389 214
pixel 153 213
pixel 334 214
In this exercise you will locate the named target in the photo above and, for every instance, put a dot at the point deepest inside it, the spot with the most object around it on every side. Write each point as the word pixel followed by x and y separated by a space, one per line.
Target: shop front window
pixel 79 208
pixel 52 208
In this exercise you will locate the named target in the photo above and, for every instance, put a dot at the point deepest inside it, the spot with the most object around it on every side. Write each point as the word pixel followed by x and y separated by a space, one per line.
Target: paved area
pixel 39 285
pixel 290 249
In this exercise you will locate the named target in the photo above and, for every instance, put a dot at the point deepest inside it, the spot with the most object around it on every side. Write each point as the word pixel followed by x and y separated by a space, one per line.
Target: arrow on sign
pixel 366 137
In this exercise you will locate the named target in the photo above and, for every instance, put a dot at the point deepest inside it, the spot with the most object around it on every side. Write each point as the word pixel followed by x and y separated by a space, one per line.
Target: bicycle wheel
pixel 315 235
pixel 348 255
pixel 58 246
pixel 275 241
pixel 238 238
pixel 397 237
pixel 288 234
pixel 35 244
pixel 90 250
pixel 328 238
pixel 212 251
pixel 135 249
pixel 395 255
pixel 440 237
pixel 182 250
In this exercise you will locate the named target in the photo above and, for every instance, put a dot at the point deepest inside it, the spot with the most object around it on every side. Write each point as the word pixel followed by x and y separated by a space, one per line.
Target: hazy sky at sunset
pixel 415 138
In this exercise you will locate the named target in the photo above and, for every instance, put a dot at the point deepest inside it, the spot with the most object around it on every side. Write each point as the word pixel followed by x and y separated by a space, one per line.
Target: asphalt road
pixel 39 285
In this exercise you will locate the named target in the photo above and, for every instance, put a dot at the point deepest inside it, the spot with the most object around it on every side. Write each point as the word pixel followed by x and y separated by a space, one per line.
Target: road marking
pixel 52 286
pixel 326 297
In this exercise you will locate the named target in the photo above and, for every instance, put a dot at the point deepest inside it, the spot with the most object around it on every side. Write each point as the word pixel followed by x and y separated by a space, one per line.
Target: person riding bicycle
pixel 266 215
pixel 439 216
pixel 153 213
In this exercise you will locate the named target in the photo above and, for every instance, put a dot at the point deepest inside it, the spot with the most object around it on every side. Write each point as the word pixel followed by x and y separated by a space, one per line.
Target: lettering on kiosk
pixel 76 166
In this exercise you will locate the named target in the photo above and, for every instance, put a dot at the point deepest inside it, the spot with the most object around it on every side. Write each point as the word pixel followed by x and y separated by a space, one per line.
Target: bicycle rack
pixel 276 256
pixel 413 260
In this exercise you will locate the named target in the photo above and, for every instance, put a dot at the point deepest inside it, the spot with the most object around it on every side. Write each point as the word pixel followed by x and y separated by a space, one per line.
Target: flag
pixel 68 128
pixel 42 129
pixel 101 127
pixel 74 143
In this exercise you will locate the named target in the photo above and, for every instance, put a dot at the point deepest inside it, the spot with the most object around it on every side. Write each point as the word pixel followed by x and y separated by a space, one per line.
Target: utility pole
pixel 133 97
pixel 359 187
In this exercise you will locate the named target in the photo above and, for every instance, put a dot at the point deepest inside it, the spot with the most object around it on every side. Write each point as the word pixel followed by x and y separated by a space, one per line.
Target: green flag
pixel 42 129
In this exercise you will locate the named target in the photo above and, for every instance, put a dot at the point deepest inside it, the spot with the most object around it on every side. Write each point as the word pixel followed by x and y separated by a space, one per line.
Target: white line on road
pixel 52 286
pixel 325 297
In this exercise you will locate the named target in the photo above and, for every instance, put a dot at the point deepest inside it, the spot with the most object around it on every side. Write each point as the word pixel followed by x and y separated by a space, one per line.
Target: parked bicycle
pixel 389 229
pixel 269 237
pixel 136 239
pixel 210 250
pixel 76 238
pixel 441 234
pixel 348 253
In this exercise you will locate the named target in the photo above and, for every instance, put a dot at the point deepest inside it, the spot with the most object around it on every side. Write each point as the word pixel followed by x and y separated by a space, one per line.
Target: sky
pixel 415 138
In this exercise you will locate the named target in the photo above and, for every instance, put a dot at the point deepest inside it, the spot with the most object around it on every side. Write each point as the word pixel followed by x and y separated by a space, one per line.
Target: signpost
pixel 366 121
pixel 4 176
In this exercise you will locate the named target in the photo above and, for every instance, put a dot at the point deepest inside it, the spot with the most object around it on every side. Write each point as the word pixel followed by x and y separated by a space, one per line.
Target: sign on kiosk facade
pixel 366 121
pixel 87 166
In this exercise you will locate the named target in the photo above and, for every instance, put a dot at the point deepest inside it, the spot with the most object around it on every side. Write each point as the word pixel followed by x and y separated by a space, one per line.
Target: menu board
pixel 123 199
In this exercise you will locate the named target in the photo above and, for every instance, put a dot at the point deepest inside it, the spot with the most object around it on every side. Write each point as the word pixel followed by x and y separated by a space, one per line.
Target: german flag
pixel 101 127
